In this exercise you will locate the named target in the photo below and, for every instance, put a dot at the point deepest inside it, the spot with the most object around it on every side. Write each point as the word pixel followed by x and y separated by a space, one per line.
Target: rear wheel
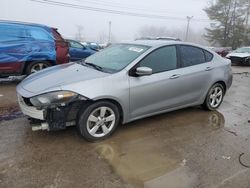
pixel 214 97
pixel 37 66
pixel 98 121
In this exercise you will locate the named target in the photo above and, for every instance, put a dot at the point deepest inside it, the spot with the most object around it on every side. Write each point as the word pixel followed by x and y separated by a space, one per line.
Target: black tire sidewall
pixel 207 101
pixel 83 117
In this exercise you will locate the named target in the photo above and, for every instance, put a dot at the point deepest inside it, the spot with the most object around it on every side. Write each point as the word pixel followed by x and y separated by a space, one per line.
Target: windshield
pixel 243 50
pixel 116 57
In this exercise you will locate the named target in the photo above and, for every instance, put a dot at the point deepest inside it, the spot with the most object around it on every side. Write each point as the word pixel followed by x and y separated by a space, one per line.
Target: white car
pixel 240 56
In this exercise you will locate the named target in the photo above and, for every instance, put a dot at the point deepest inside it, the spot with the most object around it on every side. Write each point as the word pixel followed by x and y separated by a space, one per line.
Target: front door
pixel 162 89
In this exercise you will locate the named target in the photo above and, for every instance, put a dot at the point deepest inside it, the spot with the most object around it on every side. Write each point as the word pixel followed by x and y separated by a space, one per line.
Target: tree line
pixel 229 23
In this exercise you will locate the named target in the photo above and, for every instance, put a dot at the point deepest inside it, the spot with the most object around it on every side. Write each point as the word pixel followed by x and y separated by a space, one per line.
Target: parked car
pixel 78 51
pixel 222 51
pixel 104 45
pixel 26 48
pixel 123 83
pixel 93 45
pixel 241 56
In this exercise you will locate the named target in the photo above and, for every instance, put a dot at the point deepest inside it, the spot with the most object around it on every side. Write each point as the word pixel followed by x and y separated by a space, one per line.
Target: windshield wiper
pixel 94 66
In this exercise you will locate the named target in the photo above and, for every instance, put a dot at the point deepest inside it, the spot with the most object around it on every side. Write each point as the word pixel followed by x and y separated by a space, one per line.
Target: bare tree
pixel 159 31
pixel 102 37
pixel 195 36
pixel 79 34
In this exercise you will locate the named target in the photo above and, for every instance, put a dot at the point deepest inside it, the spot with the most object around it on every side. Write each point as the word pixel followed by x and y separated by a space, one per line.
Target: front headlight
pixel 57 97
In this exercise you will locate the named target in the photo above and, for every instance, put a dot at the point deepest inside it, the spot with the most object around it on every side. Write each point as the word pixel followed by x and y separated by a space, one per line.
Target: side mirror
pixel 143 71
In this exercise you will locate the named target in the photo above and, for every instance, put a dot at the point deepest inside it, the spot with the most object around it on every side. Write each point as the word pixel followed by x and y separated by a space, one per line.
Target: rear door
pixel 196 67
pixel 62 48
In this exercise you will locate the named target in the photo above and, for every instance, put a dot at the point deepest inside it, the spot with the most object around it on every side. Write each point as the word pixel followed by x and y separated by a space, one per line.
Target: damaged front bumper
pixel 30 111
pixel 240 60
pixel 51 118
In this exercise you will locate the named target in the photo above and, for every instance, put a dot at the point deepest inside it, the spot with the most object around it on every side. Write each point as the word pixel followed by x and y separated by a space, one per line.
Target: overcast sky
pixel 96 23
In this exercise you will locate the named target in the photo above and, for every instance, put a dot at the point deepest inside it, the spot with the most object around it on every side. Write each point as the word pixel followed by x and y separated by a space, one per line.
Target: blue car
pixel 77 51
pixel 26 48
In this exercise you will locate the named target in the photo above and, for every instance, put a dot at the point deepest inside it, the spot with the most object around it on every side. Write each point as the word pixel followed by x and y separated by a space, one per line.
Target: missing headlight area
pixel 52 111
pixel 58 118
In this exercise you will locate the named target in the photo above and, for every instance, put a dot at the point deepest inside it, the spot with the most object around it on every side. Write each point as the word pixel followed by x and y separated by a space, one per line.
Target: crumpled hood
pixel 236 54
pixel 54 77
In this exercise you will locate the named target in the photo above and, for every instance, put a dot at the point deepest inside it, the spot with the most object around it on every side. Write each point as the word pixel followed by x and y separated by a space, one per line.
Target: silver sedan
pixel 123 83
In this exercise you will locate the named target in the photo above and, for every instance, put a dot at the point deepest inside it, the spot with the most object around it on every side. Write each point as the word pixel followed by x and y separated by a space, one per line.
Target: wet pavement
pixel 185 148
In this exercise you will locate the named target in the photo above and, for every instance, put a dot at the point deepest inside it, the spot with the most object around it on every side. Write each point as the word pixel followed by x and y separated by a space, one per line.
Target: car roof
pixel 155 43
pixel 25 23
pixel 158 38
pixel 160 43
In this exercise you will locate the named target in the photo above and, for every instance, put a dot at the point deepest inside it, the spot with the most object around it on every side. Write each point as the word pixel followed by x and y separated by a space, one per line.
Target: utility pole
pixel 109 39
pixel 188 23
pixel 79 32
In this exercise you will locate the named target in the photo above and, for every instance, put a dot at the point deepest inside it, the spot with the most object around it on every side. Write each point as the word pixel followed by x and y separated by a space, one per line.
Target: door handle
pixel 208 68
pixel 175 76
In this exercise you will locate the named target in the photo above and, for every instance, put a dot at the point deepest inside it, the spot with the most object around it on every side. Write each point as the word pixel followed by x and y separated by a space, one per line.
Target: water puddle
pixel 151 153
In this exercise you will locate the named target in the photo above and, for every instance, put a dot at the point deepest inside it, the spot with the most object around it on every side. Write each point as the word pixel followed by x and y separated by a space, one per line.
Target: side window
pixel 162 59
pixel 74 44
pixel 191 55
pixel 208 56
pixel 39 34
pixel 11 33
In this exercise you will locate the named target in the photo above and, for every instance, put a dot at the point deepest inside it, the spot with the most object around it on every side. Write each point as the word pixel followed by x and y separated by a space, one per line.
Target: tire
pixel 36 66
pixel 248 62
pixel 98 121
pixel 214 97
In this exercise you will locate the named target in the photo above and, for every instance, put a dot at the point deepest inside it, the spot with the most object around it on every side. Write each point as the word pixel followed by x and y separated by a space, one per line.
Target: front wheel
pixel 214 97
pixel 98 120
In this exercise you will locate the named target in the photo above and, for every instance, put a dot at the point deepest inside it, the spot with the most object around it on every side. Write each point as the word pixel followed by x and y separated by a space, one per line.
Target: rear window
pixel 37 33
pixel 209 56
pixel 57 35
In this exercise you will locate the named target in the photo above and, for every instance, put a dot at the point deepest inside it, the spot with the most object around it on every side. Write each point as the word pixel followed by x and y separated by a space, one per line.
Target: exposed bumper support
pixel 51 119
pixel 45 126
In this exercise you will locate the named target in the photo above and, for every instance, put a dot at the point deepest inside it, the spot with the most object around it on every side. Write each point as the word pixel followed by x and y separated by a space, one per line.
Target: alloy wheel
pixel 101 121
pixel 38 66
pixel 216 96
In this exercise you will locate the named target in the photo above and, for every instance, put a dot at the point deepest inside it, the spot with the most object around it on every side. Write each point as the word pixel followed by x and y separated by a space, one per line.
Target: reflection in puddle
pixel 150 153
